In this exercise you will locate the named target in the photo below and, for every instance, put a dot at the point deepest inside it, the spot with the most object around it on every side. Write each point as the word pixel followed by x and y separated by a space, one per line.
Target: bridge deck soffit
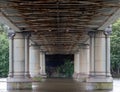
pixel 59 26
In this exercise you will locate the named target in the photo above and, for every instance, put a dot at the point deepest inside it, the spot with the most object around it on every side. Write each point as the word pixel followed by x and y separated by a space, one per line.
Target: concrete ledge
pixel 96 83
pixel 99 86
pixel 38 79
pixel 91 86
pixel 19 79
pixel 99 79
pixel 43 76
pixel 80 77
pixel 99 83
pixel 19 85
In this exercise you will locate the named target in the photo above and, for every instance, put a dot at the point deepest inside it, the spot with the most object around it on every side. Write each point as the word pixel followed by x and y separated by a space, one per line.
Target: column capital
pixel 84 46
pixel 27 35
pixel 76 52
pixel 42 51
pixel 108 30
pixel 91 33
pixel 19 35
pixel 99 34
pixel 34 46
pixel 11 35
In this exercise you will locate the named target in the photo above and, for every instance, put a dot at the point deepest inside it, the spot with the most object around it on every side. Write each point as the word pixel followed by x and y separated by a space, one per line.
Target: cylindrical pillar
pixel 108 56
pixel 27 35
pixel 92 62
pixel 76 65
pixel 42 64
pixel 100 54
pixel 84 62
pixel 34 61
pixel 107 33
pixel 84 59
pixel 11 60
pixel 19 55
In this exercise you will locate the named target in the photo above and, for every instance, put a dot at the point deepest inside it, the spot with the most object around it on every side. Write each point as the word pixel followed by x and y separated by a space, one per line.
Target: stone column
pixel 107 33
pixel 76 65
pixel 108 73
pixel 42 64
pixel 34 61
pixel 19 55
pixel 27 73
pixel 100 54
pixel 84 62
pixel 19 81
pixel 101 80
pixel 92 63
pixel 11 62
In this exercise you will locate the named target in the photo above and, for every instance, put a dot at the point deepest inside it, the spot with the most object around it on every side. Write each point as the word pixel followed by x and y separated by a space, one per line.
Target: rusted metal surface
pixel 58 26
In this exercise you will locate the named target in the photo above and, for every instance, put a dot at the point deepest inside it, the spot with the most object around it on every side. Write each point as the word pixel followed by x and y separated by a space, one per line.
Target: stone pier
pixel 84 62
pixel 34 61
pixel 76 65
pixel 42 65
pixel 99 77
pixel 18 70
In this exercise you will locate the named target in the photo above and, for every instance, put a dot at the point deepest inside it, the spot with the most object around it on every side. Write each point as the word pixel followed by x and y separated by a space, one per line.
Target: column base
pixel 37 79
pixel 99 83
pixel 80 77
pixel 19 83
pixel 43 75
pixel 75 75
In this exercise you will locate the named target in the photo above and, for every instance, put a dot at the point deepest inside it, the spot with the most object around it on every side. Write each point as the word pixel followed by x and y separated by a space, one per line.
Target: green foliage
pixel 115 48
pixel 4 53
pixel 67 69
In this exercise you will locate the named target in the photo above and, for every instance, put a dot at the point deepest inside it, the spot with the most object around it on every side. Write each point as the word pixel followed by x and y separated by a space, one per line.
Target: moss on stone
pixel 103 85
pixel 19 85
pixel 37 79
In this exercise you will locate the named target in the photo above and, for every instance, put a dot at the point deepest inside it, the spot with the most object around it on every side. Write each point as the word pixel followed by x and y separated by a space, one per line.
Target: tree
pixel 67 68
pixel 4 53
pixel 115 48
